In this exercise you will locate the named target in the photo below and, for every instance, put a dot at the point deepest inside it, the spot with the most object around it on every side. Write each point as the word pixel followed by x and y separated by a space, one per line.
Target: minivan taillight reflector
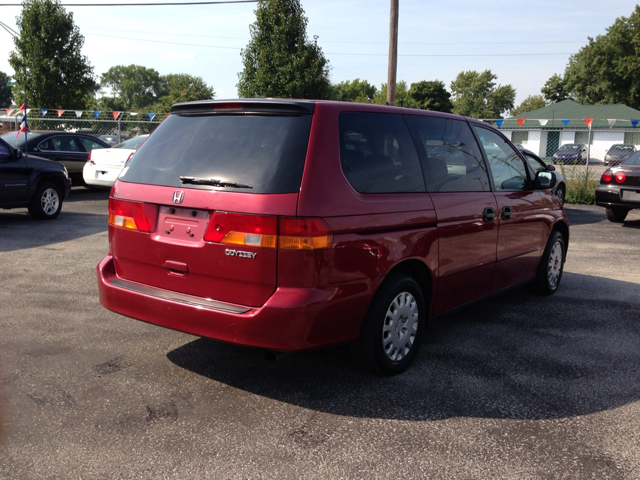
pixel 268 232
pixel 132 215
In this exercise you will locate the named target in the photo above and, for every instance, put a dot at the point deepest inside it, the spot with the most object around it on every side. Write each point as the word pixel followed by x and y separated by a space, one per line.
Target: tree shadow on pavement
pixel 518 356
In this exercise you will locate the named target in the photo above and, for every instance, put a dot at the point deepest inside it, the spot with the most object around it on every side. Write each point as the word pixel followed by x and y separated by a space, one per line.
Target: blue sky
pixel 437 40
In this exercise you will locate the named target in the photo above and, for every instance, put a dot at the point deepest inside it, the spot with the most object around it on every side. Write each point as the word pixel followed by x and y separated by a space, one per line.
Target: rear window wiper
pixel 212 182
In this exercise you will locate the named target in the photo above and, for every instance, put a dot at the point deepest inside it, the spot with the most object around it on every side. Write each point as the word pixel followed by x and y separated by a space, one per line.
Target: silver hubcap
pixel 50 201
pixel 400 326
pixel 554 268
pixel 560 195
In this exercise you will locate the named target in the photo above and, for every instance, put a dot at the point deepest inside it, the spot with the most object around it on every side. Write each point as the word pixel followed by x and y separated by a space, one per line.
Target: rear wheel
pixel 561 193
pixel 47 202
pixel 392 330
pixel 616 214
pixel 551 265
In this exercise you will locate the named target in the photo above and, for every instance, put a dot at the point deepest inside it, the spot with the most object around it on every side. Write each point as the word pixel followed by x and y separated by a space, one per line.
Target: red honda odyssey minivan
pixel 291 225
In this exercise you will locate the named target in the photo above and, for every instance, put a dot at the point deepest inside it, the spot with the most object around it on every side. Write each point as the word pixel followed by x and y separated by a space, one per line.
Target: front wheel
pixel 561 193
pixel 392 329
pixel 551 265
pixel 47 202
pixel 616 214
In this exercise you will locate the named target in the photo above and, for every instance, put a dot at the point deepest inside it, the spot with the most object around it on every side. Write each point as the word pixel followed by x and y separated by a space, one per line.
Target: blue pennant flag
pixel 151 115
pixel 566 122
pixel 499 123
pixel 97 113
pixel 43 111
pixel 634 122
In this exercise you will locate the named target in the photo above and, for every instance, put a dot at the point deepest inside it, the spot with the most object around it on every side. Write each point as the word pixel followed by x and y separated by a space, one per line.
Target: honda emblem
pixel 178 196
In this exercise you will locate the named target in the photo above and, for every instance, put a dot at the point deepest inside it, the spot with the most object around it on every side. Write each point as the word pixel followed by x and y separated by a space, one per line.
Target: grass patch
pixel 581 186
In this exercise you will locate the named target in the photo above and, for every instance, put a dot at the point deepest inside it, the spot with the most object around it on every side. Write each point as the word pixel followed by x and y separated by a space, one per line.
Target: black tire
pixel 617 214
pixel 561 193
pixel 551 264
pixel 47 202
pixel 389 341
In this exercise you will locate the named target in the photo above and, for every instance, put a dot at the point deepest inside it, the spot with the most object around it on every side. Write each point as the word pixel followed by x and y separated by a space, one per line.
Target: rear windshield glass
pixel 132 143
pixel 17 141
pixel 632 160
pixel 264 152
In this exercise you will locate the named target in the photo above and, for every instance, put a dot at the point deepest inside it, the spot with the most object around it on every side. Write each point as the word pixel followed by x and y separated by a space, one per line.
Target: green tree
pixel 181 87
pixel 402 95
pixel 554 89
pixel 6 96
pixel 532 102
pixel 607 69
pixel 50 70
pixel 133 87
pixel 476 95
pixel 430 95
pixel 357 90
pixel 279 60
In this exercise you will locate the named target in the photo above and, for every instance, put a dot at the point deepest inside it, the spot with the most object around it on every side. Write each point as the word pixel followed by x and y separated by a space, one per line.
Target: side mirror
pixel 19 154
pixel 545 180
pixel 551 168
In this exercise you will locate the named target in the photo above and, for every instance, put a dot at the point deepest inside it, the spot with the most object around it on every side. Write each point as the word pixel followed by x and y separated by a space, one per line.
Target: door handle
pixel 488 214
pixel 506 213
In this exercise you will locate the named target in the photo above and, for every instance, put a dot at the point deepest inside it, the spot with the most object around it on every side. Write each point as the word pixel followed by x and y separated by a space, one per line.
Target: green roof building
pixel 546 129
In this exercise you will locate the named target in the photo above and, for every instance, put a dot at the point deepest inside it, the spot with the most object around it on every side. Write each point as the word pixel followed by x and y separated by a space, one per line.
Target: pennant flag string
pixel 566 121
pixel 78 113
pixel 498 122
pixel 60 112
pixel 588 121
pixel 543 122
pixel 151 115
pixel 43 111
pixel 521 121
pixel 9 110
pixel 611 122
pixel 23 107
pixel 28 110
pixel 96 113
pixel 115 115
pixel 634 122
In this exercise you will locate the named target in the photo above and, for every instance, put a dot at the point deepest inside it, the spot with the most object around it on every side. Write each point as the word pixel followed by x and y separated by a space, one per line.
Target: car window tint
pixel 377 154
pixel 90 144
pixel 4 151
pixel 65 144
pixel 507 168
pixel 46 145
pixel 266 152
pixel 450 156
pixel 535 164
pixel 632 160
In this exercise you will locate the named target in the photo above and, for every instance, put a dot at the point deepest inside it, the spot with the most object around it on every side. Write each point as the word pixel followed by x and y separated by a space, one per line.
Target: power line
pixel 137 4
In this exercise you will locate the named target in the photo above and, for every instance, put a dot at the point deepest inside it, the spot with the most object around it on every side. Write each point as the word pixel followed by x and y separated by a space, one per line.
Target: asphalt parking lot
pixel 517 387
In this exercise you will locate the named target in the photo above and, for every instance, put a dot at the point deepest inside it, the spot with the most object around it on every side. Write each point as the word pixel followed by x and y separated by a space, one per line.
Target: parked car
pixel 69 149
pixel 292 225
pixel 617 153
pixel 539 165
pixel 35 183
pixel 110 139
pixel 104 165
pixel 571 153
pixel 619 189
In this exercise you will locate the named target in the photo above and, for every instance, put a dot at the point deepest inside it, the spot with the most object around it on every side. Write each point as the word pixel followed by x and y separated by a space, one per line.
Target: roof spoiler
pixel 268 105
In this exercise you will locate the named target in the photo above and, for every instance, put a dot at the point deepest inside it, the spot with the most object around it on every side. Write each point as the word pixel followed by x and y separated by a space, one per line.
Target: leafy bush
pixel 581 186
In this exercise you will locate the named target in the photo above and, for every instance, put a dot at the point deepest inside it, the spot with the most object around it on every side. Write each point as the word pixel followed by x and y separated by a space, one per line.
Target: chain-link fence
pixel 570 141
pixel 121 125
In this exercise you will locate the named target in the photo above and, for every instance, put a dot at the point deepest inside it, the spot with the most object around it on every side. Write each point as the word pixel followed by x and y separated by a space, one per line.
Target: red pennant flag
pixel 588 121
pixel 24 106
pixel 60 112
pixel 115 115
pixel 9 110
pixel 521 121
pixel 166 115
pixel 22 130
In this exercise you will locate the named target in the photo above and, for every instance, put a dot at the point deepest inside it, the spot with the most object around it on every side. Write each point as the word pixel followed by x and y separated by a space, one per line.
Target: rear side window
pixel 377 154
pixel 264 152
pixel 450 155
pixel 90 144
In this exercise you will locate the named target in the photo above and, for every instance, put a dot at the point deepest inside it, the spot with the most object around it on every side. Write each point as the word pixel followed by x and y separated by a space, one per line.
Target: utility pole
pixel 393 53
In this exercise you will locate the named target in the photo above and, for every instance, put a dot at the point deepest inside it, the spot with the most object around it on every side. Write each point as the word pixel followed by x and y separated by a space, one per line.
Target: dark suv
pixel 28 181
pixel 292 225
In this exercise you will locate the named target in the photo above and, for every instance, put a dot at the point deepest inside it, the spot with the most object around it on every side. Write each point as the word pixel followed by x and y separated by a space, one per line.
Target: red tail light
pixel 132 215
pixel 262 231
pixel 620 177
pixel 89 158
pixel 606 177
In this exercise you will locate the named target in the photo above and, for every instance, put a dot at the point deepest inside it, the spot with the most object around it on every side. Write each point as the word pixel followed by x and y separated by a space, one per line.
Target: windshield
pixel 265 152
pixel 569 147
pixel 622 148
pixel 632 160
pixel 17 142
pixel 132 143
pixel 535 164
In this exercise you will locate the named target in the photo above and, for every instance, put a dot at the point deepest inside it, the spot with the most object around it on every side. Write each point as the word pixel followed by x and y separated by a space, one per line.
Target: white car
pixel 104 165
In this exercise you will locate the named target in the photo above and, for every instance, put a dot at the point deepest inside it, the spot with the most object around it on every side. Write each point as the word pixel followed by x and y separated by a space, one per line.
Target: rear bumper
pixel 292 319
pixel 100 176
pixel 610 197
